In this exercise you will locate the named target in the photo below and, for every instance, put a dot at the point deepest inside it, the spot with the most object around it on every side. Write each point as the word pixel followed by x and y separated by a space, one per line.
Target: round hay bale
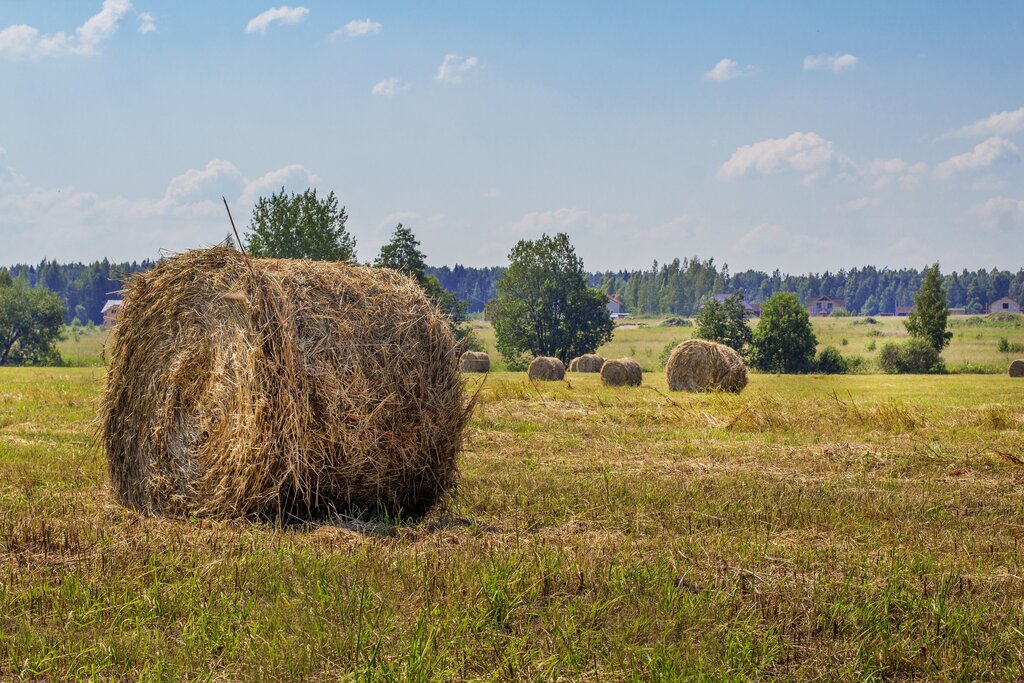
pixel 245 387
pixel 621 372
pixel 475 361
pixel 699 365
pixel 546 369
pixel 1017 368
pixel 588 362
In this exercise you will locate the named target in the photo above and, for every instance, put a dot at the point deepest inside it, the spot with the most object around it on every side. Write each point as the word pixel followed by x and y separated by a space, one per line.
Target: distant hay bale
pixel 621 372
pixel 1017 368
pixel 267 387
pixel 546 369
pixel 588 362
pixel 475 361
pixel 699 365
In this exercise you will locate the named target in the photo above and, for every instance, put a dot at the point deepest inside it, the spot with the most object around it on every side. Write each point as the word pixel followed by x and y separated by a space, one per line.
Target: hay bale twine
pixel 248 387
pixel 621 372
pixel 475 361
pixel 546 369
pixel 588 362
pixel 699 365
pixel 1017 368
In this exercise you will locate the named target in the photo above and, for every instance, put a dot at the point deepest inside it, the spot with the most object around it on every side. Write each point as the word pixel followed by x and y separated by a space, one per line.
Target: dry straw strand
pixel 475 361
pixel 588 362
pixel 621 372
pixel 245 387
pixel 700 365
pixel 546 369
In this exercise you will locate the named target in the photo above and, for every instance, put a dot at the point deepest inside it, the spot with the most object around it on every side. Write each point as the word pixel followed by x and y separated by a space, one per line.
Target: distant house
pixel 824 305
pixel 111 311
pixel 1004 305
pixel 904 311
pixel 615 307
pixel 752 310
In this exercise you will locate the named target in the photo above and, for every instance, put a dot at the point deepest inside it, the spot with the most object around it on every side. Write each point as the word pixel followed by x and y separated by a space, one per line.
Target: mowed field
pixel 811 528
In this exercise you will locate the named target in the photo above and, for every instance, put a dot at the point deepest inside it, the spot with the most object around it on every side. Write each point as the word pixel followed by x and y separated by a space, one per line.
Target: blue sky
pixel 802 136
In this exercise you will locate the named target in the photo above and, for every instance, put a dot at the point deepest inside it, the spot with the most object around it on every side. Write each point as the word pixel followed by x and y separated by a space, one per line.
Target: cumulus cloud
pixel 896 170
pixel 1003 123
pixel 187 183
pixel 454 68
pixel 1003 213
pixel 273 180
pixel 836 63
pixel 20 41
pixel 357 28
pixel 991 151
pixel 389 86
pixel 806 153
pixel 859 204
pixel 282 15
pixel 147 23
pixel 725 70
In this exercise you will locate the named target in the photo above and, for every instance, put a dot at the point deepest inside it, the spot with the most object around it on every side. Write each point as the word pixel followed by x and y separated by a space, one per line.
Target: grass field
pixel 840 528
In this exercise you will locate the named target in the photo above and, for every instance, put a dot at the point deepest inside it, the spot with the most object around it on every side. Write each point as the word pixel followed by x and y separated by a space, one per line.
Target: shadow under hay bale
pixel 546 369
pixel 699 365
pixel 621 372
pixel 475 361
pixel 588 362
pixel 263 387
pixel 1017 368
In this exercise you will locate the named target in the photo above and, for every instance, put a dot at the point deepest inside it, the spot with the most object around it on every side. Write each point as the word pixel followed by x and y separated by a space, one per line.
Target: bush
pixel 916 356
pixel 784 340
pixel 840 313
pixel 856 365
pixel 1006 347
pixel 676 321
pixel 667 351
pixel 830 362
pixel 866 321
pixel 517 363
pixel 872 345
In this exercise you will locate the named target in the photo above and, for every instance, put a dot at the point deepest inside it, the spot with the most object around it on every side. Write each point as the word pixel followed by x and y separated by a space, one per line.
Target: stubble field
pixel 845 527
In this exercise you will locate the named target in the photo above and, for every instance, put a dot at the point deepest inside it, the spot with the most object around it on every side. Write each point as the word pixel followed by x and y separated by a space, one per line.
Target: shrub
pixel 840 313
pixel 872 345
pixel 667 351
pixel 830 362
pixel 866 321
pixel 676 321
pixel 517 363
pixel 1006 347
pixel 784 340
pixel 845 341
pixel 915 356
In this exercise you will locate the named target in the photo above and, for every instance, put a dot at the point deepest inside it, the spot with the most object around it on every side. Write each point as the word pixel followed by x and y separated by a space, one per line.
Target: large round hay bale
pixel 588 362
pixel 699 365
pixel 1017 368
pixel 245 387
pixel 621 372
pixel 475 361
pixel 546 369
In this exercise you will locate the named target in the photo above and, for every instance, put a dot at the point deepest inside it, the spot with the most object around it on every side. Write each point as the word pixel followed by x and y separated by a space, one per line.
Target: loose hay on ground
pixel 699 365
pixel 621 372
pixel 588 362
pixel 546 369
pixel 475 361
pixel 240 387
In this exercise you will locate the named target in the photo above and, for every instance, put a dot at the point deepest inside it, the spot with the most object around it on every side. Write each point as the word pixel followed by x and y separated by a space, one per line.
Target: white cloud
pixel 389 86
pixel 1003 123
pixel 859 204
pixel 147 23
pixel 21 41
pixel 454 68
pixel 807 153
pixel 283 14
pixel 896 170
pixel 183 185
pixel 725 70
pixel 1003 213
pixel 988 184
pixel 358 27
pixel 991 151
pixel 274 180
pixel 834 63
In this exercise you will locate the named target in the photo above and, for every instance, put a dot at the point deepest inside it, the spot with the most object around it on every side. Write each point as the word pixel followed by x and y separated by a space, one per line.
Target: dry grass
pixel 475 361
pixel 1017 368
pixel 588 362
pixel 273 387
